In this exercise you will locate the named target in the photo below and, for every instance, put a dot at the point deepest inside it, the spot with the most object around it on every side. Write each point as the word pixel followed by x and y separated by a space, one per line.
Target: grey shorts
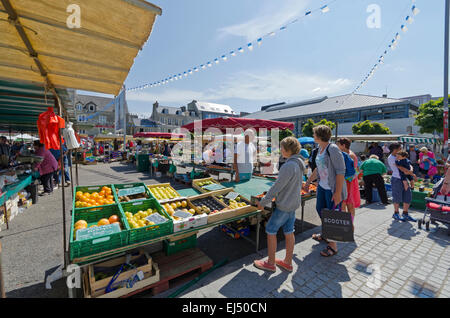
pixel 399 195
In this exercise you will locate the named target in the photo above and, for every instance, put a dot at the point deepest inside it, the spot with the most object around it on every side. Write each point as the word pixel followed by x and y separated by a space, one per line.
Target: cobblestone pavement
pixel 389 259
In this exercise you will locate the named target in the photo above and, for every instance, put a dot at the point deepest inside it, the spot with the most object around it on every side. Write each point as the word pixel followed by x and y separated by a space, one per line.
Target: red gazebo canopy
pixel 157 135
pixel 237 122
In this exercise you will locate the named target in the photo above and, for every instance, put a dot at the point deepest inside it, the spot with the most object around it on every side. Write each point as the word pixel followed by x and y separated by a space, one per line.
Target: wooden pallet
pixel 177 269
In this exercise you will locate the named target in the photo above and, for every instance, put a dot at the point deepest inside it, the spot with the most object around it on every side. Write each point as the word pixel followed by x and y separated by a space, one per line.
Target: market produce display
pixel 233 204
pixel 132 197
pixel 176 207
pixel 163 193
pixel 86 199
pixel 138 220
pixel 312 189
pixel 82 224
pixel 207 205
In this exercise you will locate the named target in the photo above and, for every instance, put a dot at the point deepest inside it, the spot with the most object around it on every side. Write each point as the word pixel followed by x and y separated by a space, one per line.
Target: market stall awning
pixel 37 45
pixel 111 137
pixel 421 140
pixel 237 122
pixel 371 138
pixel 21 104
pixel 157 135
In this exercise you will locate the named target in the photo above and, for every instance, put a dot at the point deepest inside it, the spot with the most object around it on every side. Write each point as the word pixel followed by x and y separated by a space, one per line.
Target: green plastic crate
pixel 418 200
pixel 148 232
pixel 91 189
pixel 131 185
pixel 171 248
pixel 102 243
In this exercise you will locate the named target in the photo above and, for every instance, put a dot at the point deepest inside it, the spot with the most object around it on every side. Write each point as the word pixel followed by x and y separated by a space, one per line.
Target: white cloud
pixel 269 18
pixel 262 86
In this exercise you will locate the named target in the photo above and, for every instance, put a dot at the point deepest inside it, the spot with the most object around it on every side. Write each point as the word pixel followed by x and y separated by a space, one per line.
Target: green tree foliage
pixel 369 128
pixel 285 133
pixel 307 129
pixel 431 117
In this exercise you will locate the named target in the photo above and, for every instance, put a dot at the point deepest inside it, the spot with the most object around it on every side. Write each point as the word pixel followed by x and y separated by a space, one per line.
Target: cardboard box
pixel 148 268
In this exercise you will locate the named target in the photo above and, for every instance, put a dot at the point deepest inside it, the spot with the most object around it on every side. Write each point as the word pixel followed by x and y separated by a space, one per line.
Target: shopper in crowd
pixel 414 155
pixel 445 189
pixel 166 149
pixel 330 172
pixel 375 149
pixel 56 154
pixel 5 152
pixel 373 171
pixel 403 161
pixel 66 166
pixel 427 163
pixel 286 193
pixel 244 156
pixel 353 200
pixel 46 168
pixel 399 194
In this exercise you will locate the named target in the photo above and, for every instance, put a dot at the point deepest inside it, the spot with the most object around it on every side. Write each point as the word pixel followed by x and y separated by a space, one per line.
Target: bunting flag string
pixel 232 53
pixel 392 46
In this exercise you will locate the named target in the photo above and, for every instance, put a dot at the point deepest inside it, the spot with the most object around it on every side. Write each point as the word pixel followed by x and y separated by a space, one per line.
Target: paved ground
pixel 412 262
pixel 388 259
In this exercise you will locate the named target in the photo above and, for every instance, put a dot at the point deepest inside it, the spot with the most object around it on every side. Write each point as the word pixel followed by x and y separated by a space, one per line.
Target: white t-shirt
pixel 322 170
pixel 393 166
pixel 245 157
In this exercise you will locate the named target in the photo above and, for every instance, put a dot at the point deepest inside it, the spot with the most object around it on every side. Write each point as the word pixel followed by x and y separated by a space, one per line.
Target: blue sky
pixel 322 54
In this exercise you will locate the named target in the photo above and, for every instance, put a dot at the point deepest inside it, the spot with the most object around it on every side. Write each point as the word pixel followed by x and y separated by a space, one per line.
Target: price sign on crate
pixel 93 232
pixel 131 191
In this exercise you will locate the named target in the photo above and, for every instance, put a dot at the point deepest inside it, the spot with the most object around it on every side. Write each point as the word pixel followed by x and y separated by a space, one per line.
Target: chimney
pixel 384 95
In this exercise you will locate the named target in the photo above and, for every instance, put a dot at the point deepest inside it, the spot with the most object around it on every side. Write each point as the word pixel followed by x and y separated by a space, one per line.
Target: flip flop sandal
pixel 265 266
pixel 319 238
pixel 329 251
pixel 283 265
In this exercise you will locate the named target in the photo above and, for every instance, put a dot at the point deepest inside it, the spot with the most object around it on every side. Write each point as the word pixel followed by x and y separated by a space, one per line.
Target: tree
pixel 285 133
pixel 369 128
pixel 430 118
pixel 307 129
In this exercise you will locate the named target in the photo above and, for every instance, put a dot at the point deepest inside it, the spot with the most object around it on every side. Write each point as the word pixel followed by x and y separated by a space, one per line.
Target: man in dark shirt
pixel 375 149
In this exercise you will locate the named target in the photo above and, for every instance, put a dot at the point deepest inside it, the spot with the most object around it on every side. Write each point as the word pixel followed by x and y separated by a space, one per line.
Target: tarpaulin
pixel 244 123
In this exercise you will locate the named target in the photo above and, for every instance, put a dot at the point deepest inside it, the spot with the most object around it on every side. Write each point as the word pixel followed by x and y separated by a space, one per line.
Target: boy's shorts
pixel 281 219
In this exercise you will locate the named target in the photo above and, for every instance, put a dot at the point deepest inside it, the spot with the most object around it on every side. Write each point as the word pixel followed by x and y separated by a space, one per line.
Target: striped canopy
pixel 420 140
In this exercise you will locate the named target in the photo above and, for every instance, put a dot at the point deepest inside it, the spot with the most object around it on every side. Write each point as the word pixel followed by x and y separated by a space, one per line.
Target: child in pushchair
pixel 437 209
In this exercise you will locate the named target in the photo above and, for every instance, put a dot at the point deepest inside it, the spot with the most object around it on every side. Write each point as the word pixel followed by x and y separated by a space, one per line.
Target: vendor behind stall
pixel 244 155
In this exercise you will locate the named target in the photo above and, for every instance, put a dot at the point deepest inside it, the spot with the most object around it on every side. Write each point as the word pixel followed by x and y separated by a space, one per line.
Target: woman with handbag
pixel 330 173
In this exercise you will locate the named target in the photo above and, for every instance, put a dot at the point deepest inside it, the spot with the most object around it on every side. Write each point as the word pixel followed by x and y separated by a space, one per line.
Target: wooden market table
pixel 260 184
pixel 84 262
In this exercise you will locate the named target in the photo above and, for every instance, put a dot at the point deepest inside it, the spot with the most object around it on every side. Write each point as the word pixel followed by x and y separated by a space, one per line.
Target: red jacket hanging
pixel 48 126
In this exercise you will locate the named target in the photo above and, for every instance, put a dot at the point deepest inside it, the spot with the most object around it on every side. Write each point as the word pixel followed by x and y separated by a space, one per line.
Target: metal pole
pixel 61 158
pixel 2 284
pixel 446 57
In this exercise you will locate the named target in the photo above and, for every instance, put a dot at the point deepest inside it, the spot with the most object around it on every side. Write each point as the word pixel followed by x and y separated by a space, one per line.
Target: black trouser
pixel 378 181
pixel 46 180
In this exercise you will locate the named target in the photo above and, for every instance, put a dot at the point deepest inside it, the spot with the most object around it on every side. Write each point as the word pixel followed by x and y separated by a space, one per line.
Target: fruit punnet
pixel 138 220
pixel 86 199
pixel 163 193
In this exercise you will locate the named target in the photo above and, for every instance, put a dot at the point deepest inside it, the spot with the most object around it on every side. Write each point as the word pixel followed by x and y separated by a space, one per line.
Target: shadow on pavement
pixel 403 230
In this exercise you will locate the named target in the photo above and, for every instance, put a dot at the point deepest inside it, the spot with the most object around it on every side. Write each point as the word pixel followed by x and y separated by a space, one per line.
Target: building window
pixel 165 111
pixel 79 107
pixel 102 119
pixel 81 118
pixel 169 121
